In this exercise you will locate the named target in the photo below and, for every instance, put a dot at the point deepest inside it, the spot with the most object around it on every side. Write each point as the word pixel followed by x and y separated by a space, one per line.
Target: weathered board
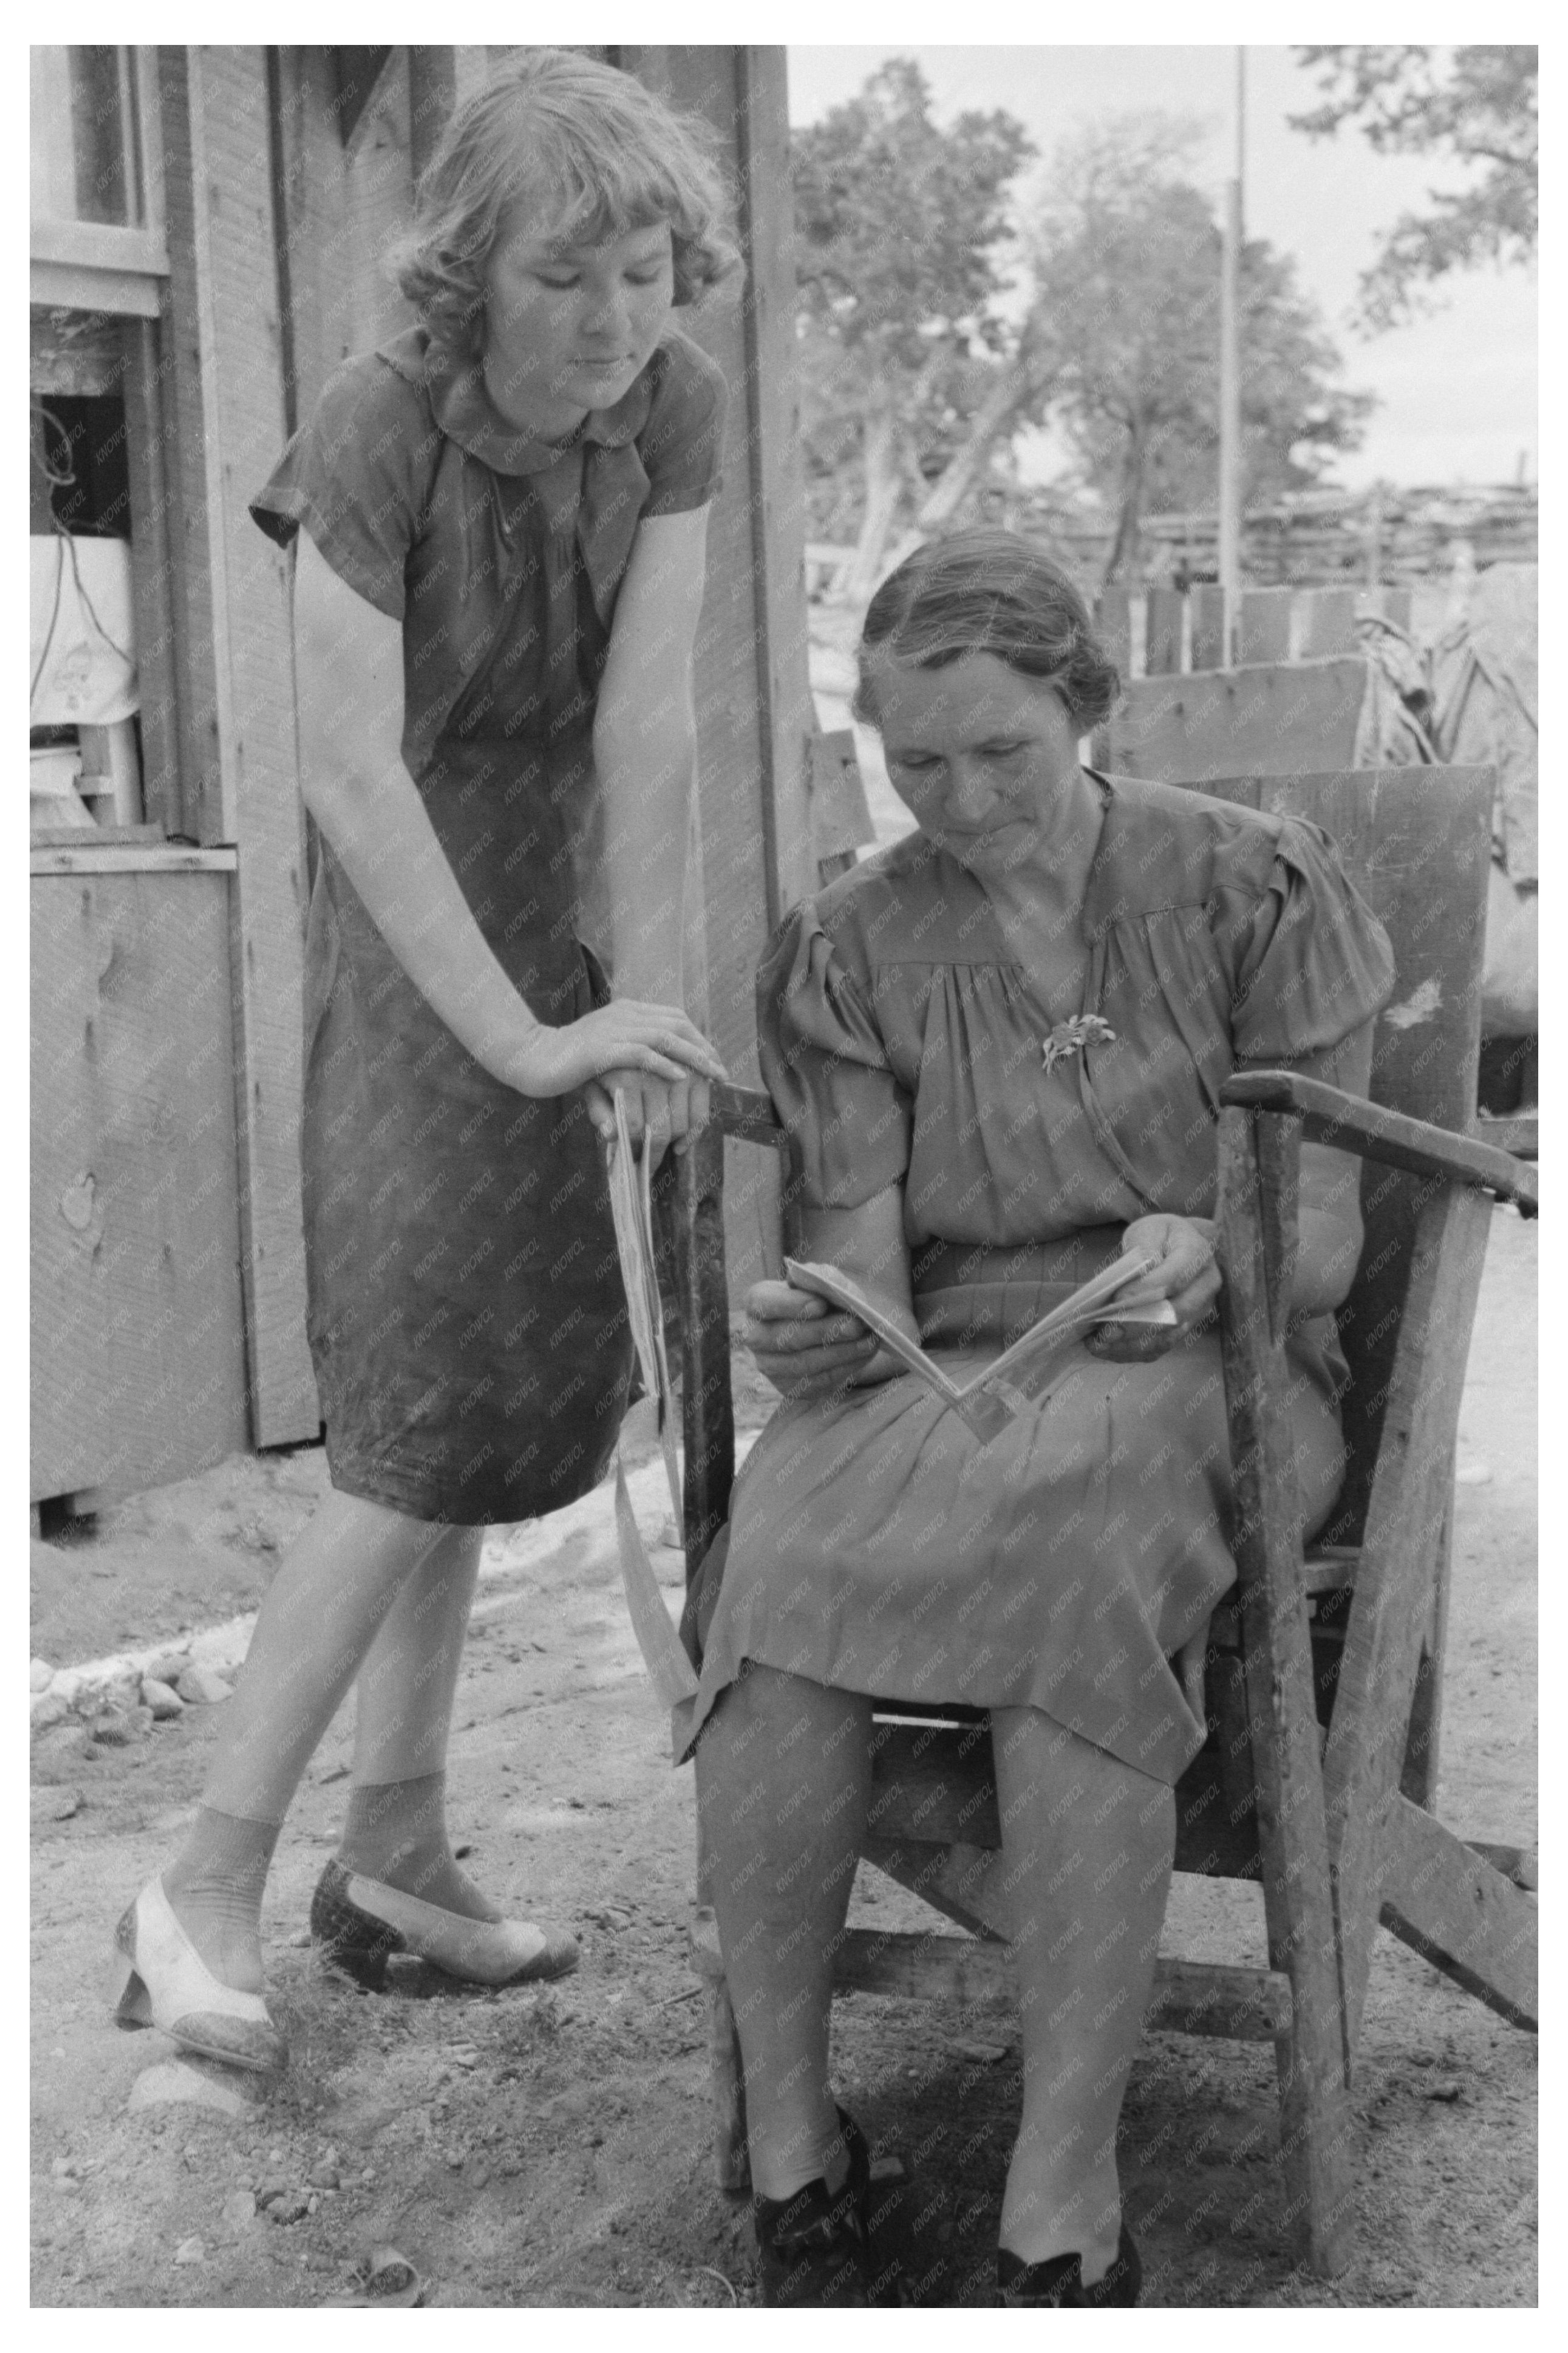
pixel 1416 843
pixel 138 1346
pixel 231 283
pixel 1275 720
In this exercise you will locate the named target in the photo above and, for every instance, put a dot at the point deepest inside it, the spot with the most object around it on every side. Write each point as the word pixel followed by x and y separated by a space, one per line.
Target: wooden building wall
pixel 286 172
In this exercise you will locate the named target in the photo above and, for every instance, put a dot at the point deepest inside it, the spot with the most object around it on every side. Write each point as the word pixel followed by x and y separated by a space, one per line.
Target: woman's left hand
pixel 1187 1275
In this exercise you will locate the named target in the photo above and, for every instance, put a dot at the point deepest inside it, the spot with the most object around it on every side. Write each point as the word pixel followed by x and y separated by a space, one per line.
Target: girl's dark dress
pixel 466 1320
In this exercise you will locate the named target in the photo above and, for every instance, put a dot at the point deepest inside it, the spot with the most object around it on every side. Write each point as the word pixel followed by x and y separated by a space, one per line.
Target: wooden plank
pixel 1330 1116
pixel 1416 844
pixel 754 701
pixel 1400 1552
pixel 955 1879
pixel 1292 1828
pixel 933 1784
pixel 1113 627
pixel 1453 1907
pixel 747 1113
pixel 1285 718
pixel 840 820
pixel 1213 1998
pixel 67 286
pixel 1162 640
pixel 1516 1132
pixel 1263 627
pixel 1322 623
pixel 186 473
pixel 153 524
pixel 137 1370
pixel 774 445
pixel 1205 604
pixel 234 275
pixel 732 2157
pixel 707 1411
pixel 155 857
pixel 933 1967
pixel 99 245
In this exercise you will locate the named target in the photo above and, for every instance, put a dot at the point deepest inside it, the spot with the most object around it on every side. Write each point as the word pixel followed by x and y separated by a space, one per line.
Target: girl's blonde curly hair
pixel 581 151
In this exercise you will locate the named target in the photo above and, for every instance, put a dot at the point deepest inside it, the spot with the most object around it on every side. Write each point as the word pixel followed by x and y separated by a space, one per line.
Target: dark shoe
pixel 1059 2279
pixel 813 2248
pixel 360 1922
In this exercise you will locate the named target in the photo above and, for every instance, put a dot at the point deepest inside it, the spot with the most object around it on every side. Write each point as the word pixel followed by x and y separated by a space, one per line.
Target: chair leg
pixel 1315 2140
pixel 730 2159
pixel 1258 1197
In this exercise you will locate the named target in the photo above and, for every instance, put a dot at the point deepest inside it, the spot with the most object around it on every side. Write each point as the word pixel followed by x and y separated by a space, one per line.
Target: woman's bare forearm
pixel 647 777
pixel 868 1244
pixel 382 833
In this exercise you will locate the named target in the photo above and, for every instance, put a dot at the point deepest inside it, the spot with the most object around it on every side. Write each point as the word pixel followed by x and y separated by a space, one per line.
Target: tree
pixel 1125 258
pixel 897 231
pixel 1479 107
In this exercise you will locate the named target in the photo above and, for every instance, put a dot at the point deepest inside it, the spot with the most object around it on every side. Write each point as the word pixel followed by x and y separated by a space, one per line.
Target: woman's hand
pixel 806 1348
pixel 625 1036
pixel 1187 1275
pixel 660 1111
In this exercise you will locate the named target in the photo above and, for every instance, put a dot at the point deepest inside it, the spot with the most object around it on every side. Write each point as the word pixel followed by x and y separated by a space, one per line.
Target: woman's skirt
pixel 875 1545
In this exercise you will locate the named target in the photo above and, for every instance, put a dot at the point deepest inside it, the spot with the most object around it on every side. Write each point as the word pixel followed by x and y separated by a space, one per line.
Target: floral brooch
pixel 1069 1038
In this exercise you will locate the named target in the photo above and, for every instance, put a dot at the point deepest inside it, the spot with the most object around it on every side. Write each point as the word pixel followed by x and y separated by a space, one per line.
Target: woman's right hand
pixel 806 1348
pixel 625 1035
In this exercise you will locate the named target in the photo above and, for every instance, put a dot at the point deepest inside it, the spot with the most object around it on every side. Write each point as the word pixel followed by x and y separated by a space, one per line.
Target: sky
pixel 1457 390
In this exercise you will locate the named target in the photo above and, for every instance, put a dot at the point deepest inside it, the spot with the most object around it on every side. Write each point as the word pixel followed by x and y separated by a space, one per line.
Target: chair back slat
pixel 1417 842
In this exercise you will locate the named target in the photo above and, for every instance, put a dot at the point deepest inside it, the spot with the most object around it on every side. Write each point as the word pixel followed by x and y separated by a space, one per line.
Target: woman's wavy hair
pixel 584 152
pixel 989 591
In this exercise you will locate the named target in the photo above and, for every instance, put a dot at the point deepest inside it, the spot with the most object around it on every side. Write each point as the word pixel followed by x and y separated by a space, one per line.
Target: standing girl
pixel 500 520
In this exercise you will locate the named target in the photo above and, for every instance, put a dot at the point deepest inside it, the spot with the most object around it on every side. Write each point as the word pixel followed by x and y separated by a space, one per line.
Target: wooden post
pixel 1256 1247
pixel 239 719
pixel 1400 1556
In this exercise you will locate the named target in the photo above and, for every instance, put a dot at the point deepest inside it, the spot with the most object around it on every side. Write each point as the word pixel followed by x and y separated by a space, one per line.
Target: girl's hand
pixel 657 1041
pixel 661 1110
pixel 806 1348
pixel 1187 1275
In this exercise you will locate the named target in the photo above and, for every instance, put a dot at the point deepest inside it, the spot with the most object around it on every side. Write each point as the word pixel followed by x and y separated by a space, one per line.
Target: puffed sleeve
pixel 351 476
pixel 683 443
pixel 825 1066
pixel 1311 961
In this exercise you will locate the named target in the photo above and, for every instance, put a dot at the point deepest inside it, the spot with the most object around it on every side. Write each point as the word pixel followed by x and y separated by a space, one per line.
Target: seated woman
pixel 1000 1045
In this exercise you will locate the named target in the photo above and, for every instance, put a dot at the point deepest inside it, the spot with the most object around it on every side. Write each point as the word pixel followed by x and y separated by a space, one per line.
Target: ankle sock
pixel 215 1886
pixel 396 1831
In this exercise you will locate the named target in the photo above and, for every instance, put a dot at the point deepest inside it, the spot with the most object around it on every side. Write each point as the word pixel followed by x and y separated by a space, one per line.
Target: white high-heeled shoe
pixel 361 1921
pixel 161 1979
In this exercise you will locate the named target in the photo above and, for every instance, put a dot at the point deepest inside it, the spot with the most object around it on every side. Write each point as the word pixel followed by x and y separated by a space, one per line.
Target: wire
pixel 63 478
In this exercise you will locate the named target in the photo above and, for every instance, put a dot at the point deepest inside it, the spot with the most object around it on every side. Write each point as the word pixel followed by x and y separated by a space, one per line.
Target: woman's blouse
pixel 902 1043
pixel 501 554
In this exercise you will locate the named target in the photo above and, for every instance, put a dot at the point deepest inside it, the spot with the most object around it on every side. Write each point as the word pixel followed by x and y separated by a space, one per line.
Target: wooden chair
pixel 1323 1674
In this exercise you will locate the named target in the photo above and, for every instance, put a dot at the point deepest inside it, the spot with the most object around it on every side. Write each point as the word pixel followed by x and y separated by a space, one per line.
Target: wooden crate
pixel 137 1337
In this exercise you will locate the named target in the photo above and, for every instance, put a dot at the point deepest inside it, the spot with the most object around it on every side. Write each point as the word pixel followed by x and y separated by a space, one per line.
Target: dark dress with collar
pixel 466 1320
pixel 874 1544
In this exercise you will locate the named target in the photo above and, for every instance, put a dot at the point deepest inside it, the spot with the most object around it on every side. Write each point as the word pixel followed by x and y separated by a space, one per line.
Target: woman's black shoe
pixel 1059 2279
pixel 813 2248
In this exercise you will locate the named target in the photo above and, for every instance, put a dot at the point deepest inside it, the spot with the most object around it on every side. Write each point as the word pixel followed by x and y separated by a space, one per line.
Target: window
pixel 99 269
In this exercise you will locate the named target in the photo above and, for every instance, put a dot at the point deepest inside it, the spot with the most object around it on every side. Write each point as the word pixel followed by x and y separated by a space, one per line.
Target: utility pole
pixel 1230 382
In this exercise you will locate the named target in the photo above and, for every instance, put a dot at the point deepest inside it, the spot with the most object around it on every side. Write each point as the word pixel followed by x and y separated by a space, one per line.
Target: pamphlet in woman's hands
pixel 992 1399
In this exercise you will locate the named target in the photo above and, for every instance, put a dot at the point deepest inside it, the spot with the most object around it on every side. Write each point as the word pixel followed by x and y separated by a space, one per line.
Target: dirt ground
pixel 554 2148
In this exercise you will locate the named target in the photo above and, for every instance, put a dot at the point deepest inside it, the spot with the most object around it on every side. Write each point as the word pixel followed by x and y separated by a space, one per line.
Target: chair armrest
pixel 747 1113
pixel 1328 1115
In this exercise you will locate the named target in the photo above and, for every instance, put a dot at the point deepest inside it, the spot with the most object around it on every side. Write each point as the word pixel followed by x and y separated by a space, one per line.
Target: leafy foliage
pixel 916 376
pixel 1479 109
pixel 1125 254
pixel 898 225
